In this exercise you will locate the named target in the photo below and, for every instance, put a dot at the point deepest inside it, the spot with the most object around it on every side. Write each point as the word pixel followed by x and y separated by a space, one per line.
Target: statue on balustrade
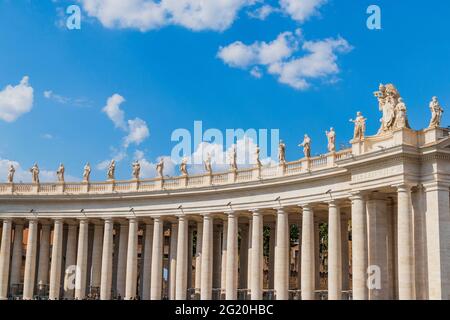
pixel 60 173
pixel 34 173
pixel 111 170
pixel 136 170
pixel 208 165
pixel 183 167
pixel 281 152
pixel 233 159
pixel 436 113
pixel 86 172
pixel 360 126
pixel 393 117
pixel 331 136
pixel 400 115
pixel 160 167
pixel 306 144
pixel 11 172
pixel 258 160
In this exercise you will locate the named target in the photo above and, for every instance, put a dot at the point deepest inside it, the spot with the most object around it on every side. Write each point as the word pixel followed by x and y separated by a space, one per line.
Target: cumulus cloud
pixel 113 111
pixel 138 132
pixel 145 15
pixel 289 57
pixel 16 100
pixel 148 168
pixel 301 10
pixel 262 12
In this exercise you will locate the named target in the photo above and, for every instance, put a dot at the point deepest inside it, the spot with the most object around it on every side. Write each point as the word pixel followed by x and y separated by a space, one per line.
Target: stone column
pixel 198 255
pixel 359 247
pixel 157 256
pixel 232 244
pixel 206 258
pixel 272 238
pixel 249 254
pixel 345 253
pixel 224 255
pixel 243 257
pixel 5 251
pixel 190 256
pixel 317 254
pixel 44 256
pixel 281 281
pixel 182 257
pixel 122 262
pixel 56 263
pixel 131 278
pixel 97 248
pixel 308 256
pixel 217 253
pixel 334 252
pixel 30 260
pixel 107 261
pixel 173 259
pixel 82 255
pixel 256 274
pixel 16 263
pixel 146 272
pixel 71 261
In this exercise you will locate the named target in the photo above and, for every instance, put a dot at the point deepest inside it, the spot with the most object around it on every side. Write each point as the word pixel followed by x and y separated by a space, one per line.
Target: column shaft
pixel 157 262
pixel 122 262
pixel 334 253
pixel 308 256
pixel 97 247
pixel 30 261
pixel 231 288
pixel 56 263
pixel 182 257
pixel 107 261
pixel 44 257
pixel 206 258
pixel 198 255
pixel 173 259
pixel 82 255
pixel 5 254
pixel 146 270
pixel 256 274
pixel 16 263
pixel 281 281
pixel 71 262
pixel 131 284
pixel 359 247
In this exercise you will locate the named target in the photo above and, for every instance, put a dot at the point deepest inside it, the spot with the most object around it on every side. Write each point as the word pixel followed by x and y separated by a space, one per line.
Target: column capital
pixel 436 185
pixel 256 212
pixel 403 187
pixel 305 206
pixel 231 213
pixel 332 203
pixel 357 195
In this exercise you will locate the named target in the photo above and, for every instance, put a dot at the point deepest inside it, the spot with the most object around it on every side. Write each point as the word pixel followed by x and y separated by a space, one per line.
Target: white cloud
pixel 138 132
pixel 151 14
pixel 301 10
pixel 47 136
pixel 148 168
pixel 262 12
pixel 16 100
pixel 113 111
pixel 78 102
pixel 283 57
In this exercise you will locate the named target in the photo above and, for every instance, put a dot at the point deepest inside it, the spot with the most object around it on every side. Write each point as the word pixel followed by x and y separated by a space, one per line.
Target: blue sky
pixel 170 74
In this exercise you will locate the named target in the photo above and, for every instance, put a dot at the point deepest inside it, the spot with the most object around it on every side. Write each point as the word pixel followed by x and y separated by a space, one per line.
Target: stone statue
pixel 60 173
pixel 281 152
pixel 388 99
pixel 306 144
pixel 35 173
pixel 208 166
pixel 331 136
pixel 360 126
pixel 136 170
pixel 11 172
pixel 258 161
pixel 183 167
pixel 436 113
pixel 86 172
pixel 233 159
pixel 160 168
pixel 111 170
pixel 400 115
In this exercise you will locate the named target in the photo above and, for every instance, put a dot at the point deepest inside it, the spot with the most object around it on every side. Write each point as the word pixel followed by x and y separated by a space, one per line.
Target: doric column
pixel 217 253
pixel 30 260
pixel 16 263
pixel 206 258
pixel 5 251
pixel 359 247
pixel 198 254
pixel 130 289
pixel 243 257
pixel 281 281
pixel 249 253
pixel 122 262
pixel 345 253
pixel 173 259
pixel 44 256
pixel 223 268
pixel 107 256
pixel 308 256
pixel 334 252
pixel 56 263
pixel 182 257
pixel 82 255
pixel 406 289
pixel 317 263
pixel 232 245
pixel 146 270
pixel 97 247
pixel 157 255
pixel 71 261
pixel 256 274
pixel 190 256
pixel 272 238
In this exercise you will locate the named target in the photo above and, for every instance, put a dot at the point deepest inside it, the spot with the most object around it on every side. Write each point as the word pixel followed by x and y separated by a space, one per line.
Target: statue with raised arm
pixel 208 165
pixel 11 172
pixel 436 113
pixel 233 159
pixel 281 152
pixel 183 167
pixel 258 160
pixel 160 167
pixel 136 169
pixel 331 136
pixel 60 173
pixel 111 170
pixel 86 172
pixel 360 126
pixel 34 173
pixel 306 144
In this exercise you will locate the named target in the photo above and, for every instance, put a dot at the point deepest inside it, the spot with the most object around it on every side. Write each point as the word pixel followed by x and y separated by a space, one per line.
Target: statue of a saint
pixel 233 159
pixel 281 152
pixel 360 126
pixel 436 113
pixel 160 167
pixel 86 172
pixel 331 136
pixel 394 116
pixel 11 172
pixel 60 173
pixel 306 144
pixel 34 173
pixel 136 170
pixel 208 165
pixel 183 167
pixel 111 170
pixel 400 115
pixel 258 160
